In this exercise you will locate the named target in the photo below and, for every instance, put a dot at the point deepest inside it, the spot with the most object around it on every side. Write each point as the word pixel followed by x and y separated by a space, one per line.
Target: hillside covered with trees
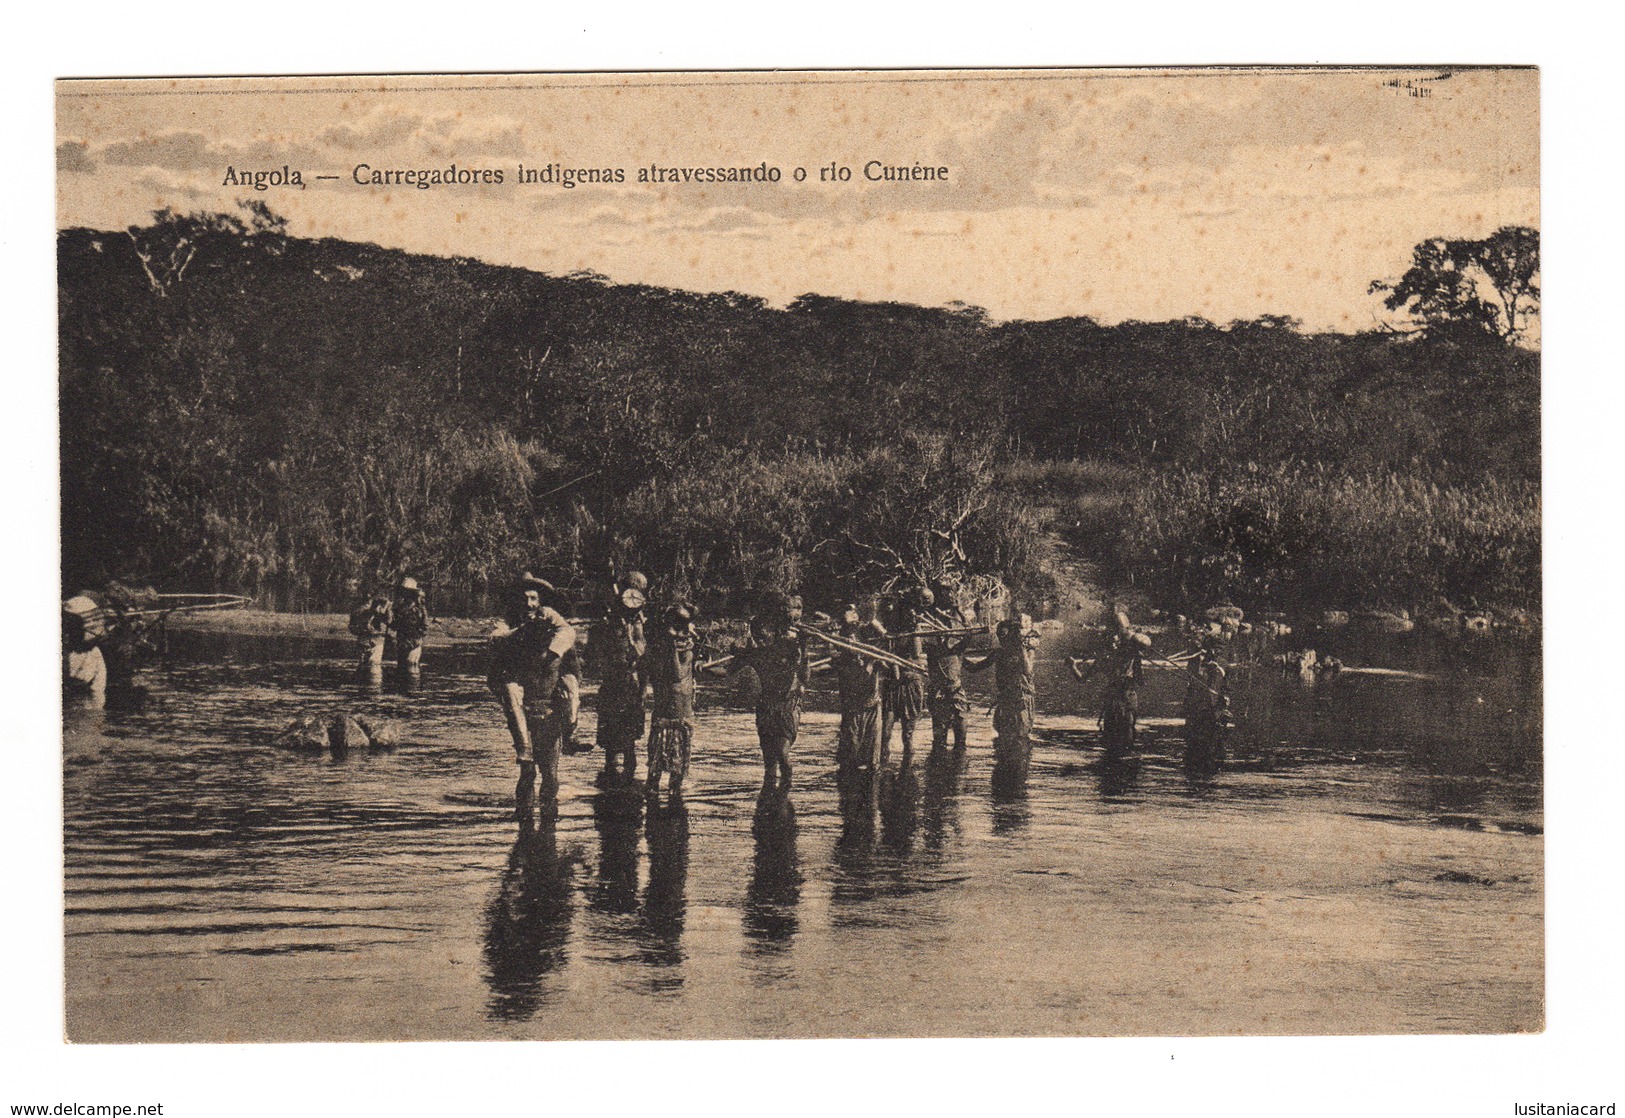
pixel 250 411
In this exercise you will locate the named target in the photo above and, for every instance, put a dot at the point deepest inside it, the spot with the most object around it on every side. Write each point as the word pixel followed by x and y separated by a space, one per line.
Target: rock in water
pixel 382 733
pixel 1384 621
pixel 308 734
pixel 346 733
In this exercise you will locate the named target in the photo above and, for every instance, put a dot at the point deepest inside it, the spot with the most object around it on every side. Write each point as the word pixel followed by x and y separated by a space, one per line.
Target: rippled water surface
pixel 1370 860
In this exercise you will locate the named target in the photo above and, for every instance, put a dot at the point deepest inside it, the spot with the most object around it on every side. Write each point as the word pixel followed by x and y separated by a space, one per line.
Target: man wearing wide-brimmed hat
pixel 525 654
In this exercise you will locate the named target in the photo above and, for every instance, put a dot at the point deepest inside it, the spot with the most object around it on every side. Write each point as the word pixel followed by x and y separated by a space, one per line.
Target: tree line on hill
pixel 242 409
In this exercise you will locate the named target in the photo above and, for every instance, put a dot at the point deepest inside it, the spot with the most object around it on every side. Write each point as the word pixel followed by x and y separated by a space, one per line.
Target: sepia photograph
pixel 787 555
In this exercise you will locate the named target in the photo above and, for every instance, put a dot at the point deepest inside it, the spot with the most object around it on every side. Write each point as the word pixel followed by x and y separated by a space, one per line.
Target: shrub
pixel 1309 537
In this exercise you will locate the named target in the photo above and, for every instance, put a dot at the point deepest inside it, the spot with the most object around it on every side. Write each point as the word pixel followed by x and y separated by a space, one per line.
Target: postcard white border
pixel 1573 1061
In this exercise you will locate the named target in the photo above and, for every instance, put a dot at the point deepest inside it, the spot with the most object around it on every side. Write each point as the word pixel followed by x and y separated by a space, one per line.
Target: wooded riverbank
pixel 295 445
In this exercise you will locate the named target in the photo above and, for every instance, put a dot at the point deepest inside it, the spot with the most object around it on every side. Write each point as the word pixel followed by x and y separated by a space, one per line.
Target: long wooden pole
pixel 859 648
pixel 964 631
pixel 1188 670
pixel 232 601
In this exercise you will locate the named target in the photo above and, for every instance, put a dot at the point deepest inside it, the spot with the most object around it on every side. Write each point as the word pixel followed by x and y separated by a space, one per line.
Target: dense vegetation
pixel 246 410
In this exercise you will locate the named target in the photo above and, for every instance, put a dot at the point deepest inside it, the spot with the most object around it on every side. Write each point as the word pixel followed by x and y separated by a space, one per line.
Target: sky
pixel 1115 194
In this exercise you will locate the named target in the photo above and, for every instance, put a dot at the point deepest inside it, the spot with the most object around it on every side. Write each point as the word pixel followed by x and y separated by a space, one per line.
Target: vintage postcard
pixel 831 554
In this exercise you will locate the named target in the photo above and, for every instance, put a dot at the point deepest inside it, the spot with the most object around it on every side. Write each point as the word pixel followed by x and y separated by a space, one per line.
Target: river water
pixel 1369 860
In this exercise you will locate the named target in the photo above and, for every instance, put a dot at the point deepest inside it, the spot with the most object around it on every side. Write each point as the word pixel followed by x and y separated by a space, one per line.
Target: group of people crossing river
pixel 896 659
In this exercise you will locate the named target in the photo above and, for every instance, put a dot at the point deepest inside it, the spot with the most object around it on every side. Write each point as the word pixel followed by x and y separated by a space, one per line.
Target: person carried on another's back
pixel 84 668
pixel 526 651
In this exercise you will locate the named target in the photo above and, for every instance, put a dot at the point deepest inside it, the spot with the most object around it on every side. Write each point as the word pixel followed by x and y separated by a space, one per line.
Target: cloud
pixel 179 151
pixel 404 137
pixel 166 187
pixel 727 219
pixel 1225 194
pixel 74 155
pixel 456 134
pixel 187 150
pixel 607 215
pixel 442 135
pixel 379 128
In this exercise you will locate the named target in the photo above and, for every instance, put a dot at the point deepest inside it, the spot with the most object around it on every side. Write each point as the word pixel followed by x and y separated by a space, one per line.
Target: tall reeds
pixel 1313 537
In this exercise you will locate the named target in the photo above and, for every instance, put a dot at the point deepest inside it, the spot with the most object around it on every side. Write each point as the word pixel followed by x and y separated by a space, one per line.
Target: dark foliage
pixel 250 411
pixel 1470 291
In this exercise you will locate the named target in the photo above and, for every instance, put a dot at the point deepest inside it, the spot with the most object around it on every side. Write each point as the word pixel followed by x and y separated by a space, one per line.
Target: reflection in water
pixel 191 844
pixel 1011 814
pixel 869 875
pixel 651 925
pixel 618 816
pixel 858 797
pixel 527 931
pixel 1009 781
pixel 369 680
pixel 81 723
pixel 664 897
pixel 900 807
pixel 1119 775
pixel 1008 794
pixel 644 928
pixel 775 878
pixel 942 785
pixel 1201 773
pixel 852 884
pixel 945 767
pixel 860 801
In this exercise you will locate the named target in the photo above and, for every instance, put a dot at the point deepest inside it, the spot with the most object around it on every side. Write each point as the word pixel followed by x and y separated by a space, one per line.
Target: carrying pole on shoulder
pixel 858 648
